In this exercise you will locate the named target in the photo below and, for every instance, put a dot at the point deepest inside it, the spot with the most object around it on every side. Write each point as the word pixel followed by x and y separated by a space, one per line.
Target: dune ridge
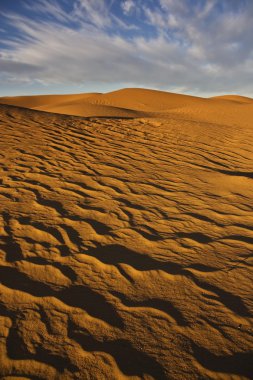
pixel 235 98
pixel 139 103
pixel 126 238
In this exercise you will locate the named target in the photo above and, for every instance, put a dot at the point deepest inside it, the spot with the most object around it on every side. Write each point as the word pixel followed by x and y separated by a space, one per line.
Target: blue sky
pixel 200 47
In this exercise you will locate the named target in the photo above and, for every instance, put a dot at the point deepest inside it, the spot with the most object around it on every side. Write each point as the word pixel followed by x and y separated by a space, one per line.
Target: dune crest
pixel 139 103
pixel 235 98
pixel 126 238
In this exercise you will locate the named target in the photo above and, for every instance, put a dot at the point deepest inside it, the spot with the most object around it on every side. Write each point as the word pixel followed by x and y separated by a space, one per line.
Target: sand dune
pixel 138 103
pixel 126 244
pixel 121 103
pixel 235 98
pixel 89 109
pixel 44 101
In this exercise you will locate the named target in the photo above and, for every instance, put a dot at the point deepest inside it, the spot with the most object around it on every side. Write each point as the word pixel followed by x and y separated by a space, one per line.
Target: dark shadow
pixel 239 363
pixel 116 254
pixel 94 303
pixel 197 236
pixel 236 173
pixel 231 301
pixel 78 296
pixel 130 361
pixel 245 239
pixel 155 303
pixel 17 350
pixel 65 269
pixel 8 244
pixel 100 228
pixel 11 249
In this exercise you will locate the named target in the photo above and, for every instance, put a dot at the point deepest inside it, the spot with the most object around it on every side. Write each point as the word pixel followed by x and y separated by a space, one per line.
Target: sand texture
pixel 126 237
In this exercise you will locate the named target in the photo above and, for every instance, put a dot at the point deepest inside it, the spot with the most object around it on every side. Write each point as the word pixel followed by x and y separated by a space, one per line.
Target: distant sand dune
pixel 135 102
pixel 235 98
pixel 42 100
pixel 126 239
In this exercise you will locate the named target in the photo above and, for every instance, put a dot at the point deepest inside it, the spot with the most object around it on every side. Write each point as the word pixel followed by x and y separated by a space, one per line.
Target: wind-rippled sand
pixel 126 243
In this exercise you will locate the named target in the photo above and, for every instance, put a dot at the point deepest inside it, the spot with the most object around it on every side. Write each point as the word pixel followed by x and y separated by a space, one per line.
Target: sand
pixel 126 237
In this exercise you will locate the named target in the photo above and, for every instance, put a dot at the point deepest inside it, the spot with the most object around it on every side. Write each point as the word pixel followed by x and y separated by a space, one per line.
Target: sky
pixel 198 47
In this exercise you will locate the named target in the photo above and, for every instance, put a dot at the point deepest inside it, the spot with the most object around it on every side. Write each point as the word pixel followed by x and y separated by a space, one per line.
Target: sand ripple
pixel 125 247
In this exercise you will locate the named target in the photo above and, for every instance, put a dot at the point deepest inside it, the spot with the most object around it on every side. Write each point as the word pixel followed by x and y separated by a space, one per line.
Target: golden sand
pixel 126 237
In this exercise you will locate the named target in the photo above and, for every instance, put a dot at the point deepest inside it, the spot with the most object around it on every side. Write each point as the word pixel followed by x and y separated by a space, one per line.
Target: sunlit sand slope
pixel 126 245
pixel 137 99
pixel 138 102
pixel 235 98
pixel 43 101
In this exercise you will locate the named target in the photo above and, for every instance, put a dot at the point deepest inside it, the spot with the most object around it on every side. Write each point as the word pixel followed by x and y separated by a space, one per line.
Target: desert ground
pixel 126 236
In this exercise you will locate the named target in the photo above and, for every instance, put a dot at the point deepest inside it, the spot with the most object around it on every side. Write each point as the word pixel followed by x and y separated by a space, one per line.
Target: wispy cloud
pixel 128 6
pixel 95 12
pixel 49 8
pixel 198 46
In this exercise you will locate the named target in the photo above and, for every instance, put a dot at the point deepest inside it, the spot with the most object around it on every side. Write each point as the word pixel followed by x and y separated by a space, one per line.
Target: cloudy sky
pixel 200 47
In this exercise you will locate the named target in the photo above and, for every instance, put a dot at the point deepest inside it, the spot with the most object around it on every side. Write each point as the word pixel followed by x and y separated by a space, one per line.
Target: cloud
pixel 44 7
pixel 199 48
pixel 127 6
pixel 95 12
pixel 12 67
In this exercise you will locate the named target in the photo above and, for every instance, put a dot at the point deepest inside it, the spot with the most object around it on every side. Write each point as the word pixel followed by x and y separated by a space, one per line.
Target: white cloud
pixel 155 17
pixel 50 8
pixel 95 12
pixel 127 6
pixel 198 50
